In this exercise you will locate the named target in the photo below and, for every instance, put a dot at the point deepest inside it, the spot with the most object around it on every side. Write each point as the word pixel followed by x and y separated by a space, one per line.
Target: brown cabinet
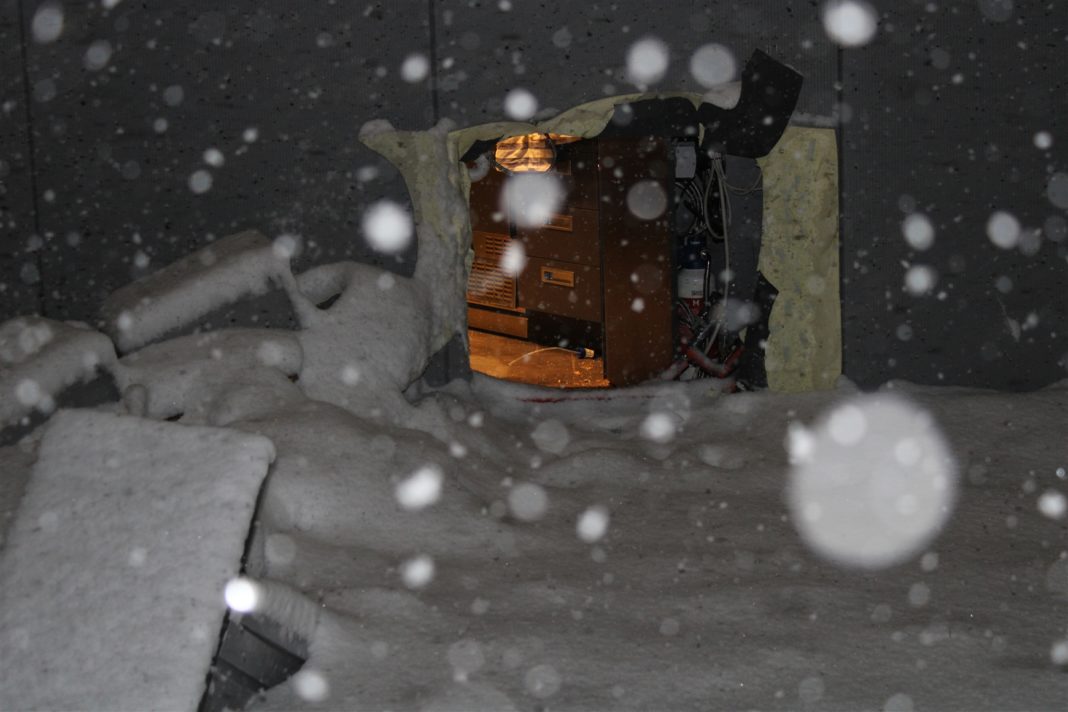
pixel 572 235
pixel 594 268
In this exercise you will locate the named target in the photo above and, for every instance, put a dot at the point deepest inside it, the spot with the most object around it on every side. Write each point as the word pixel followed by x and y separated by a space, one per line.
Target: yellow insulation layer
pixel 799 255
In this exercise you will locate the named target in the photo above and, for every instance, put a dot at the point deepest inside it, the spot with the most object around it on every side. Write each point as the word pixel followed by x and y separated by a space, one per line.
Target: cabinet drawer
pixel 562 288
pixel 571 236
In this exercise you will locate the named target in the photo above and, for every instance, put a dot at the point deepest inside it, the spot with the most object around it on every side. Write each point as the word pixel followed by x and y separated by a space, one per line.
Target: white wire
pixel 725 215
pixel 538 351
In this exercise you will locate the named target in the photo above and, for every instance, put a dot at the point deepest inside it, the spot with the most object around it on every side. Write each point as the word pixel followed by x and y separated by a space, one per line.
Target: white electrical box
pixel 685 160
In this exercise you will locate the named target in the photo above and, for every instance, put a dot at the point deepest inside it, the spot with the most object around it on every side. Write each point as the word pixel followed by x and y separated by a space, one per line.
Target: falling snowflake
pixel 872 483
pixel 647 61
pixel 421 489
pixel 712 65
pixel 850 23
pixel 592 524
pixel 242 595
pixel 387 227
pixel 520 104
pixel 918 231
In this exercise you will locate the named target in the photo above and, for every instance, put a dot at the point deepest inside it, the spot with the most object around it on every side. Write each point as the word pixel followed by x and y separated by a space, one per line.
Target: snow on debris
pixel 41 357
pixel 225 271
pixel 192 374
pixel 16 464
pixel 115 569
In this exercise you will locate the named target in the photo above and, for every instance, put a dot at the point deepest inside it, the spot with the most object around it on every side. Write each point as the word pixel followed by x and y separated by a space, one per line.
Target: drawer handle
pixel 559 277
pixel 564 223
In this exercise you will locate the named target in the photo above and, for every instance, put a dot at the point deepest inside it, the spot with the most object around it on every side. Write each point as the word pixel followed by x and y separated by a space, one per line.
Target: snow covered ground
pixel 701 594
pixel 490 546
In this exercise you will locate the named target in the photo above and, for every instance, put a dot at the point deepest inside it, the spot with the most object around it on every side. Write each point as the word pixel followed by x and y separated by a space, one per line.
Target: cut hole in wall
pixel 583 258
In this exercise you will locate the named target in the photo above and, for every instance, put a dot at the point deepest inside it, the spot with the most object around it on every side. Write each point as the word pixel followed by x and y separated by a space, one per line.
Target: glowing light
pixel 528 153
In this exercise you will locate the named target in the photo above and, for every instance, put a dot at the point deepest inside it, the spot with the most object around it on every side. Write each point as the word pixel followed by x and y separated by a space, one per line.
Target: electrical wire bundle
pixel 712 357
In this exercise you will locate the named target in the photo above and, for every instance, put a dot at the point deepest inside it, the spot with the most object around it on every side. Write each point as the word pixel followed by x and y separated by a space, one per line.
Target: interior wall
pixel 116 148
pixel 943 108
pixel 19 269
pixel 113 197
pixel 567 53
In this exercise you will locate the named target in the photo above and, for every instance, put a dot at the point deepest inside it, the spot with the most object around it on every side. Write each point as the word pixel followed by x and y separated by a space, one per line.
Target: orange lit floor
pixel 526 362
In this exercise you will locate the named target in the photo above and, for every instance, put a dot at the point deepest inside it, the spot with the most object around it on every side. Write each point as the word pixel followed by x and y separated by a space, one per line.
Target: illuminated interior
pixel 529 153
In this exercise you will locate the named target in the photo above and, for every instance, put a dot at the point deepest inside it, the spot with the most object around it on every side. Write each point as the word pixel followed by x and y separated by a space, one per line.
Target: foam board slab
pixel 115 566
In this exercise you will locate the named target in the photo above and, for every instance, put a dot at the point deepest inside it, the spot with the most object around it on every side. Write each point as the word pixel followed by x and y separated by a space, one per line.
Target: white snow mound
pixel 41 357
pixel 224 272
pixel 188 374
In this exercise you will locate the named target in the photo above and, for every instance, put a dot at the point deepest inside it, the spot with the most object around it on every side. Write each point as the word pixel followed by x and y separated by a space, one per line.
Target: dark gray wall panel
pixel 19 274
pixel 305 75
pixel 944 109
pixel 568 53
pixel 792 32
